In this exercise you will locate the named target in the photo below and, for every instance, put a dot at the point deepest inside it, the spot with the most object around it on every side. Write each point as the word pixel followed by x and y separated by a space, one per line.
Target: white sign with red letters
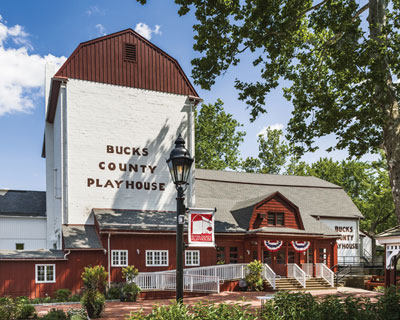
pixel 201 227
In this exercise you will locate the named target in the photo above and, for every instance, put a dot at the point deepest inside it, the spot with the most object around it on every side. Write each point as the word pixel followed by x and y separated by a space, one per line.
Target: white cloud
pixel 276 126
pixel 100 28
pixel 145 31
pixel 95 10
pixel 22 73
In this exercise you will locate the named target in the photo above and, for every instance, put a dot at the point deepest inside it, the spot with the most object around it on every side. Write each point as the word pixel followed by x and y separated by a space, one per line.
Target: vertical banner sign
pixel 201 227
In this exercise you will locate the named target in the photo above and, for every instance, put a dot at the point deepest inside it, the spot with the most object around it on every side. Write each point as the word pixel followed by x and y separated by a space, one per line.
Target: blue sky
pixel 35 32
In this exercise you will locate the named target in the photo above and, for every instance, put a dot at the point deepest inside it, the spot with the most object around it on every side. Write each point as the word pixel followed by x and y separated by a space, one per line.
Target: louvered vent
pixel 130 52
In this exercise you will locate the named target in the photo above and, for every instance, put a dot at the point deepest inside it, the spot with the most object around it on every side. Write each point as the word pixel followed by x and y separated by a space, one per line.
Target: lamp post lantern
pixel 179 164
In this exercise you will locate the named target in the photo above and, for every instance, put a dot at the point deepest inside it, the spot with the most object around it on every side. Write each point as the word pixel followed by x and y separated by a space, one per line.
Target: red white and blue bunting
pixel 273 245
pixel 300 246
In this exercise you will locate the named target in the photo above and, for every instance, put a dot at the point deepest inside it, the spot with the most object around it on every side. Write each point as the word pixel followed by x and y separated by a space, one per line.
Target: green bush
pixel 62 295
pixel 55 314
pixel 19 308
pixel 94 281
pixel 254 278
pixel 77 314
pixel 129 273
pixel 75 298
pixel 175 311
pixel 114 292
pixel 93 301
pixel 130 291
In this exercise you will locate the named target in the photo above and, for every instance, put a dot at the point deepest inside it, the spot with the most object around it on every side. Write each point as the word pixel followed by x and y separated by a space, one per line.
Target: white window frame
pixel 45 273
pixel 189 257
pixel 119 264
pixel 166 264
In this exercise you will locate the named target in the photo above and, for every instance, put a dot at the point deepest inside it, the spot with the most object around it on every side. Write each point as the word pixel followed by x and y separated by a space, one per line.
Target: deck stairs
pixel 290 284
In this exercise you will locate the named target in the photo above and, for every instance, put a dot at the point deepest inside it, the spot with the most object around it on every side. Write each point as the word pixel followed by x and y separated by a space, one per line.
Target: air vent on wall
pixel 130 52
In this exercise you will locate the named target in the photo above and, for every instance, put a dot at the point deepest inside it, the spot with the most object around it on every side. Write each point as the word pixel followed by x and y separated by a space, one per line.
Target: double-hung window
pixel 156 258
pixel 119 258
pixel 45 273
pixel 192 257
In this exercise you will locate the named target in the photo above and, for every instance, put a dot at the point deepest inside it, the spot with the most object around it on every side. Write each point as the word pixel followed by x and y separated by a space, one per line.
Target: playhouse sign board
pixel 201 227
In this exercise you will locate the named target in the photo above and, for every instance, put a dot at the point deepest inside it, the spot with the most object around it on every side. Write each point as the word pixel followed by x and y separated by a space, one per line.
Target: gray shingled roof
pixel 392 232
pixel 258 178
pixel 81 237
pixel 22 203
pixel 229 192
pixel 32 254
pixel 135 220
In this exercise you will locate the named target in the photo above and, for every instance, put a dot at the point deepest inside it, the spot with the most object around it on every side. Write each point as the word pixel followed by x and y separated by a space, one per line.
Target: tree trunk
pixel 392 149
pixel 385 95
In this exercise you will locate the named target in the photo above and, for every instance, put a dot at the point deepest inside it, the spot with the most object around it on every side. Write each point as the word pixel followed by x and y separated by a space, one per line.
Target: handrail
pixel 269 275
pixel 167 281
pixel 322 271
pixel 294 271
pixel 233 271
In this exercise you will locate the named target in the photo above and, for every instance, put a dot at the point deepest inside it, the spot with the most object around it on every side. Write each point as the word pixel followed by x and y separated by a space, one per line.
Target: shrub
pixel 93 301
pixel 222 311
pixel 114 292
pixel 94 278
pixel 26 311
pixel 55 314
pixel 19 308
pixel 254 279
pixel 130 291
pixel 75 298
pixel 77 314
pixel 94 281
pixel 129 273
pixel 62 295
pixel 175 311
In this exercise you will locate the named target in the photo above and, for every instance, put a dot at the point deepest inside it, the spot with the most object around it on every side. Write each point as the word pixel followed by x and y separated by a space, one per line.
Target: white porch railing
pixel 148 281
pixel 294 271
pixel 322 271
pixel 308 269
pixel 223 271
pixel 269 275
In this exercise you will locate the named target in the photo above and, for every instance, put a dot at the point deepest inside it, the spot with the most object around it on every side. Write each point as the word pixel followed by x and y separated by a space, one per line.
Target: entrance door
pixel 280 262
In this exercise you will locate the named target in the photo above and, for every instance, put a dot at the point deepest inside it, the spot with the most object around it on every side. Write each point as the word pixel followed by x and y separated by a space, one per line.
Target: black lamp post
pixel 179 164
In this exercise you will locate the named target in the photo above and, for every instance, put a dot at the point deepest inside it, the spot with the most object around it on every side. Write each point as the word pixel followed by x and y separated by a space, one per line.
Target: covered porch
pixel 283 254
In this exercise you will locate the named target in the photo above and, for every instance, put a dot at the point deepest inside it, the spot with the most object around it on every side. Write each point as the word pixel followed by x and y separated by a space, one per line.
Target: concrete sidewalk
pixel 121 310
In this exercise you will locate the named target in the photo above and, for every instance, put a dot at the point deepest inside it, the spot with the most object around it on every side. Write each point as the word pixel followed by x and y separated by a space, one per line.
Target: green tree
pixel 217 138
pixel 366 183
pixel 272 156
pixel 341 58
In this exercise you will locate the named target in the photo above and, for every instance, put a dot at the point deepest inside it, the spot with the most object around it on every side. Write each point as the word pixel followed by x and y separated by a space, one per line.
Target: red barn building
pixel 113 111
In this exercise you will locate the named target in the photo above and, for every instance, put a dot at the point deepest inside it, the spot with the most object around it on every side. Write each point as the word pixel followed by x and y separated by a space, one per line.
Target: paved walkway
pixel 120 310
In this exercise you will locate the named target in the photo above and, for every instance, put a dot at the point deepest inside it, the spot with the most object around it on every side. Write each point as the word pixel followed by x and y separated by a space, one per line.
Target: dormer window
pixel 276 219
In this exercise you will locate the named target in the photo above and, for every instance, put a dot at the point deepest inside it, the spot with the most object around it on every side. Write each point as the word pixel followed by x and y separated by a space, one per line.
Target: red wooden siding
pixel 103 60
pixel 17 278
pixel 276 204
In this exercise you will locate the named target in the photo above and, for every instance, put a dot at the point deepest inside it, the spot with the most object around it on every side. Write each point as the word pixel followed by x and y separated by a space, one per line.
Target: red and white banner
pixel 201 227
pixel 300 246
pixel 273 245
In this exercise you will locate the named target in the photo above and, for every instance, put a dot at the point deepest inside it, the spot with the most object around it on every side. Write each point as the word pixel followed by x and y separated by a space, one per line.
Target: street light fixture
pixel 179 164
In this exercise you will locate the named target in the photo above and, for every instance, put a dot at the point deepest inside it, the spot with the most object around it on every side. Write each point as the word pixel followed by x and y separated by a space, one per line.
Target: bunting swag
pixel 273 245
pixel 300 246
